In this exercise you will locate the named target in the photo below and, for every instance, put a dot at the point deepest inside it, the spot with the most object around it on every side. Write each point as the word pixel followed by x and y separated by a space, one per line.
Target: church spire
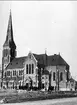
pixel 9 38
pixel 10 29
pixel 9 47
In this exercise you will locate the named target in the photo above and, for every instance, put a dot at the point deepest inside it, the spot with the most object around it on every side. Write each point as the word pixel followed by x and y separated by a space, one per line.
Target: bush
pixel 51 88
pixel 35 88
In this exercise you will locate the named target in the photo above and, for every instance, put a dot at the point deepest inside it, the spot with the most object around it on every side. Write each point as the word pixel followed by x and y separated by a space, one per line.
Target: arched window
pixel 8 73
pixel 54 76
pixel 14 73
pixel 20 72
pixel 8 58
pixel 61 76
pixel 32 68
pixel 13 85
pixel 27 69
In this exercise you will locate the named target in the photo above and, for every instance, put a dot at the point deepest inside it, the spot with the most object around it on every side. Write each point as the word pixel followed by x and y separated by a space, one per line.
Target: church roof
pixel 16 63
pixel 56 60
pixel 40 58
pixel 53 60
pixel 43 60
pixel 71 80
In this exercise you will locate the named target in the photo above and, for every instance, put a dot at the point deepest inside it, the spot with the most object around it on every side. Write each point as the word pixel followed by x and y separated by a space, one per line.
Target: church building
pixel 39 71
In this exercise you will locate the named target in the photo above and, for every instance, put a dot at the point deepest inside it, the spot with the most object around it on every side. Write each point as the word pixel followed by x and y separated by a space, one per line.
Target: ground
pixel 30 97
pixel 64 101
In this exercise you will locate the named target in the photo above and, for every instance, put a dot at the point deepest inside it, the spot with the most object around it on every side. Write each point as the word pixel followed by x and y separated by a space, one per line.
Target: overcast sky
pixel 40 25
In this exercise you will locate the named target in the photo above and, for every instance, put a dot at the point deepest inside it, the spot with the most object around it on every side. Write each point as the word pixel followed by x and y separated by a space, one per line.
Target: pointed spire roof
pixel 9 38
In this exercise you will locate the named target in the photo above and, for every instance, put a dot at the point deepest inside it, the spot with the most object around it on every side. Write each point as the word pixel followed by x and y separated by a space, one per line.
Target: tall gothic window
pixel 61 76
pixel 20 72
pixel 27 69
pixel 32 68
pixel 54 76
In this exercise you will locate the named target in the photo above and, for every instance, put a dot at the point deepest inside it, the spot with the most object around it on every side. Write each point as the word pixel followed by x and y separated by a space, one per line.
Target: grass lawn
pixel 13 96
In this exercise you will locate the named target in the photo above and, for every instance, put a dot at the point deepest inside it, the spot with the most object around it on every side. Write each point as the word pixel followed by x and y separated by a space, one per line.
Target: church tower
pixel 9 47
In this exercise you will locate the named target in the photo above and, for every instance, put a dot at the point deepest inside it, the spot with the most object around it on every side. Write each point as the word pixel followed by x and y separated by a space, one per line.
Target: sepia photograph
pixel 38 52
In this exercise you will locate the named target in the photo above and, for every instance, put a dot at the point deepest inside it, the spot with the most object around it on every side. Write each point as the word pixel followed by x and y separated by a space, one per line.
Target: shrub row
pixel 28 88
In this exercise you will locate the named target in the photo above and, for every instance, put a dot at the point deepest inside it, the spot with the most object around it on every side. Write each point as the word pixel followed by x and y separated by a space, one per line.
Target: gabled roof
pixel 39 58
pixel 71 80
pixel 53 60
pixel 56 60
pixel 43 60
pixel 16 63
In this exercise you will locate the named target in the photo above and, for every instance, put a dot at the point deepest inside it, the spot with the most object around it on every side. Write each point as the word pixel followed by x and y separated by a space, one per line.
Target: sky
pixel 40 25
